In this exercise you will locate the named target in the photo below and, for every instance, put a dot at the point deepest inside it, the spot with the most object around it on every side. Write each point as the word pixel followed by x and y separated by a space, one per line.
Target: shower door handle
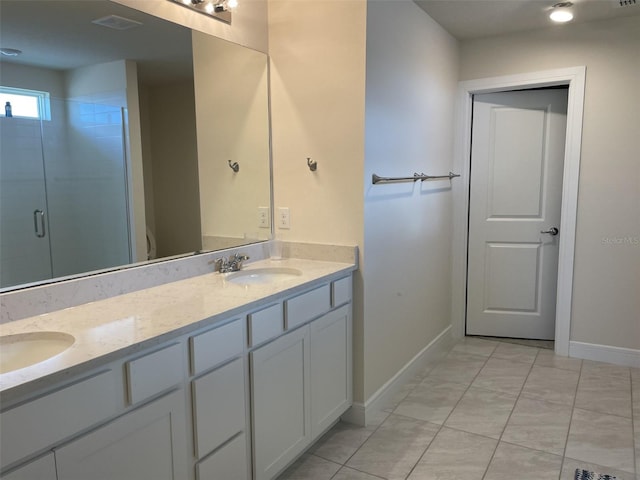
pixel 38 223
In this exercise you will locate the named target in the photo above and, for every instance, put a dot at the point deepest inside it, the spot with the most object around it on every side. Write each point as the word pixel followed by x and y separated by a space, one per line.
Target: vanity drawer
pixel 216 346
pixel 265 324
pixel 341 291
pixel 40 423
pixel 307 306
pixel 154 373
pixel 218 406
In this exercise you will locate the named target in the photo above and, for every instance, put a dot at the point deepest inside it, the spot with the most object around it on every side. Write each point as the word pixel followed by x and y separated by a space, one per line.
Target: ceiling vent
pixel 118 23
pixel 626 3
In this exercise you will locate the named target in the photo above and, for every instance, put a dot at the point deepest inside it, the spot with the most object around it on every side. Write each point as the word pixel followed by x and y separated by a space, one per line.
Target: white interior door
pixel 517 159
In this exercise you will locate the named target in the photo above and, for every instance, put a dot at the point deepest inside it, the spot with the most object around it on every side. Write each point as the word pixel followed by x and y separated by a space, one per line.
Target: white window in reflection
pixel 25 103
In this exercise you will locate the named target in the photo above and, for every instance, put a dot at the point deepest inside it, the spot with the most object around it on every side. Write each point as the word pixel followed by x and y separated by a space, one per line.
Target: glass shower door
pixel 25 253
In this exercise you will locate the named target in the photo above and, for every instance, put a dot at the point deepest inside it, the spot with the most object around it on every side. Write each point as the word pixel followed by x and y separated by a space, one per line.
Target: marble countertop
pixel 108 329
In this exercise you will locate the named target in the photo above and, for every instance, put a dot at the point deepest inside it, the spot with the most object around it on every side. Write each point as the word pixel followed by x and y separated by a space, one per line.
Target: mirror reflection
pixel 143 140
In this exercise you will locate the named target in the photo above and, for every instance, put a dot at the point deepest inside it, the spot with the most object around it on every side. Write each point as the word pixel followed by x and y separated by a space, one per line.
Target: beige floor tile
pixel 570 465
pixel 346 473
pixel 341 442
pixel 458 367
pixel 475 346
pixel 600 438
pixel 547 358
pixel 513 462
pixel 516 353
pixel 395 447
pixel 309 467
pixel 604 393
pixel 376 418
pixel 539 425
pixel 483 412
pixel 455 455
pixel 551 384
pixel 432 400
pixel 501 375
pixel 606 369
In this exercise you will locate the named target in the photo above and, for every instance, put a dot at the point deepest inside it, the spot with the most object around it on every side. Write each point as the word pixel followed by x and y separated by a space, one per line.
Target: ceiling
pixel 60 35
pixel 469 19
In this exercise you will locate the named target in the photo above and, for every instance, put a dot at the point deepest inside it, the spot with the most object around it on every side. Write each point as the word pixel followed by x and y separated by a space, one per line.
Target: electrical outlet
pixel 263 217
pixel 284 220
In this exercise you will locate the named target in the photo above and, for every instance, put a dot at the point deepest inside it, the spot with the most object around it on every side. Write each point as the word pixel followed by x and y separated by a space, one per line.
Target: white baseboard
pixel 627 357
pixel 360 412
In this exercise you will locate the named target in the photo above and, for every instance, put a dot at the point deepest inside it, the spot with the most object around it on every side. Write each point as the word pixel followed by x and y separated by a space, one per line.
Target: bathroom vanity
pixel 206 378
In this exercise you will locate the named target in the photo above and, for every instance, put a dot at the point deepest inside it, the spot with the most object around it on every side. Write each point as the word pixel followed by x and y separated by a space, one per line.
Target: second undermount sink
pixel 261 276
pixel 25 349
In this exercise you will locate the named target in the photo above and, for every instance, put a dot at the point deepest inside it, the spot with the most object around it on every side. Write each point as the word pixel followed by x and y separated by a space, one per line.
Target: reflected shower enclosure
pixel 63 192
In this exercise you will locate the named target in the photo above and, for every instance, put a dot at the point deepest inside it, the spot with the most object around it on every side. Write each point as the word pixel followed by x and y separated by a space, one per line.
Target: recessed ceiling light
pixel 561 12
pixel 10 52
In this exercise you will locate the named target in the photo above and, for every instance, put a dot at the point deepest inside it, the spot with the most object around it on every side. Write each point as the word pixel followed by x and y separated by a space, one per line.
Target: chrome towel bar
pixel 416 176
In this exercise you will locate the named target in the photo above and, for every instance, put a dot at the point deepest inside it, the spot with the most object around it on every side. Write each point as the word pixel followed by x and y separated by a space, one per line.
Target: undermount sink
pixel 25 349
pixel 261 276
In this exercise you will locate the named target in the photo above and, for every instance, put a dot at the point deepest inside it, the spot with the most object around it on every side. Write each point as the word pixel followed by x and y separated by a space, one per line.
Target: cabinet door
pixel 146 444
pixel 331 390
pixel 43 468
pixel 280 393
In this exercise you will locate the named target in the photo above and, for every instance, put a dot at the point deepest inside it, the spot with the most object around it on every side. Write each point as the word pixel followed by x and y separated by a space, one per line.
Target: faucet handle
pixel 219 264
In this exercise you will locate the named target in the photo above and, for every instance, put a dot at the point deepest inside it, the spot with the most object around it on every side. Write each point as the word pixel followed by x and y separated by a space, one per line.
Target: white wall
pixel 606 303
pixel 412 67
pixel 248 26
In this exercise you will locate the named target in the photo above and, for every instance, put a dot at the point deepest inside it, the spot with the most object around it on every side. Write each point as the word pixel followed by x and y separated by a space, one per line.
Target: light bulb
pixel 209 8
pixel 232 3
pixel 561 12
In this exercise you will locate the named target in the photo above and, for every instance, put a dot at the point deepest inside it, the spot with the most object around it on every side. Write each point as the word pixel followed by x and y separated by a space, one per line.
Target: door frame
pixel 574 77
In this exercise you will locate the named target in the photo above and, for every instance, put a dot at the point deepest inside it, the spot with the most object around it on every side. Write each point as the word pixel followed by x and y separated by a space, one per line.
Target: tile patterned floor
pixel 492 411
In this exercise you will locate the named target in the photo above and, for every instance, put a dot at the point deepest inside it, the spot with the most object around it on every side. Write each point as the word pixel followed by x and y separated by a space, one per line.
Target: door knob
pixel 552 231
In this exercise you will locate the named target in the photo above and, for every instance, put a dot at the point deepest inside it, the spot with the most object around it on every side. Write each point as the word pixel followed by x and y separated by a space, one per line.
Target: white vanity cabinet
pixel 330 362
pixel 148 443
pixel 232 398
pixel 280 408
pixel 301 381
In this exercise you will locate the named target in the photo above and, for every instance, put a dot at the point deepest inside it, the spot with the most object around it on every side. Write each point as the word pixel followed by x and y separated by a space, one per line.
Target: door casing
pixel 574 77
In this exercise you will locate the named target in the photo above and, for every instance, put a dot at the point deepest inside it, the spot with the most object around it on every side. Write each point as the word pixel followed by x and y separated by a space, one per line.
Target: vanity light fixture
pixel 218 9
pixel 561 12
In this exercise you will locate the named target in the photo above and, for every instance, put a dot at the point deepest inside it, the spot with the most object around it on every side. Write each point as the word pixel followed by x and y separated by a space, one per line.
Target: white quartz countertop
pixel 107 329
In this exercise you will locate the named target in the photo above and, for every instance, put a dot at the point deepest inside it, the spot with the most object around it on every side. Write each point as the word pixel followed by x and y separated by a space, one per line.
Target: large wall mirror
pixel 125 138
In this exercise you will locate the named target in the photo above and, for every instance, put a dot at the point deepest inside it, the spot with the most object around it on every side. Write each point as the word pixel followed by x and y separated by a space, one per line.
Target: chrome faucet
pixel 233 264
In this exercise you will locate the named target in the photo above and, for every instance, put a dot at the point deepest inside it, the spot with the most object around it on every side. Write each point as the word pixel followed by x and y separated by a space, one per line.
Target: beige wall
pixel 317 97
pixel 248 27
pixel 606 303
pixel 412 68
